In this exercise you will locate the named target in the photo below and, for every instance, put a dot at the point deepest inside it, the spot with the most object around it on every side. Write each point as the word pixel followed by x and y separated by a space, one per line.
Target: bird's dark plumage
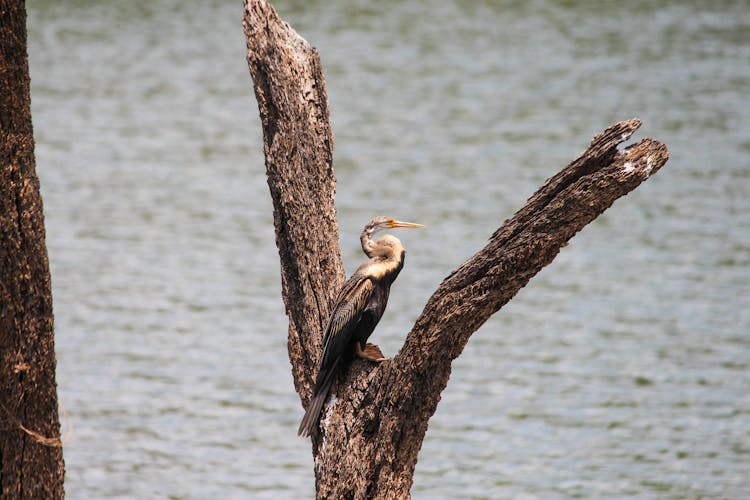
pixel 359 306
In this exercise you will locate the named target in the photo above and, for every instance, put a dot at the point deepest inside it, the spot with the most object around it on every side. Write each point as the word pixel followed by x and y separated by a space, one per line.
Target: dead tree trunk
pixel 373 432
pixel 31 462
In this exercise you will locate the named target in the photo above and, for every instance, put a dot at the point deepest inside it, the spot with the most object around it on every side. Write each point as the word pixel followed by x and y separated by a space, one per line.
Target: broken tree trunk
pixel 371 436
pixel 31 462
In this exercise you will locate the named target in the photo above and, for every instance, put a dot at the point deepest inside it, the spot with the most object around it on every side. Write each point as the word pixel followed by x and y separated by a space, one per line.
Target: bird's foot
pixel 371 352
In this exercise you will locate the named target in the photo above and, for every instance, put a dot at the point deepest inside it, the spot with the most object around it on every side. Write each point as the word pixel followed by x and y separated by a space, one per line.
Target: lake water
pixel 621 370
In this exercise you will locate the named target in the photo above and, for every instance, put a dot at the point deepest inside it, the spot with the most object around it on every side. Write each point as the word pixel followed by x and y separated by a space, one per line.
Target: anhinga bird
pixel 359 306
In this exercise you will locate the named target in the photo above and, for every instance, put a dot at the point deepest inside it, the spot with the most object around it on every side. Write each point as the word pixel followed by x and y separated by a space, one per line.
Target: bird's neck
pixel 367 244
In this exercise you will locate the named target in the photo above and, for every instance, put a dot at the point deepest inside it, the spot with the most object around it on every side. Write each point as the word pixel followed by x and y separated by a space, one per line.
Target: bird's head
pixel 381 223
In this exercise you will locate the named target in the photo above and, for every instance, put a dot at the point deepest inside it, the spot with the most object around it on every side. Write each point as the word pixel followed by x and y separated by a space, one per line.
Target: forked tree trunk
pixel 31 463
pixel 373 428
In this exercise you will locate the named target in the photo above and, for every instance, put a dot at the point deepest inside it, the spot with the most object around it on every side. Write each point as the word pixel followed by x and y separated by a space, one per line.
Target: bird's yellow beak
pixel 398 223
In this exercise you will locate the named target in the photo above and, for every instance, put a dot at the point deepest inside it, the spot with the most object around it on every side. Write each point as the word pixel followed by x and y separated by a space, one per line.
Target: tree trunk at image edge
pixel 371 432
pixel 31 462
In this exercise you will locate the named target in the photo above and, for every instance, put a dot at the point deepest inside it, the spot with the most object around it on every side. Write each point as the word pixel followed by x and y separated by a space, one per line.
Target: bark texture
pixel 298 146
pixel 376 419
pixel 31 462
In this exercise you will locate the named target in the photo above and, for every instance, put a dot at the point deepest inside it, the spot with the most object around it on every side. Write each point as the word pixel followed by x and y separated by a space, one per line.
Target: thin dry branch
pixel 526 243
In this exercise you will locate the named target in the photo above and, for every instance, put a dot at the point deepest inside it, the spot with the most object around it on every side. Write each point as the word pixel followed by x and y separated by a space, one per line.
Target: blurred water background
pixel 620 371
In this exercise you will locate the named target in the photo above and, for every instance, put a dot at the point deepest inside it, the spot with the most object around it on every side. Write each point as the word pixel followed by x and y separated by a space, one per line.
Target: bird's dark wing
pixel 338 338
pixel 350 304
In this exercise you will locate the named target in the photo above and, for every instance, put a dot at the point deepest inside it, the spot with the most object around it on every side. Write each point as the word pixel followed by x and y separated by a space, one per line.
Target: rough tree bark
pixel 373 429
pixel 31 462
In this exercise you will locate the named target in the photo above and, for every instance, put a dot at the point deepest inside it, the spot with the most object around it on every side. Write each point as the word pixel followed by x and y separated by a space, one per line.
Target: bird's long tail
pixel 312 415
